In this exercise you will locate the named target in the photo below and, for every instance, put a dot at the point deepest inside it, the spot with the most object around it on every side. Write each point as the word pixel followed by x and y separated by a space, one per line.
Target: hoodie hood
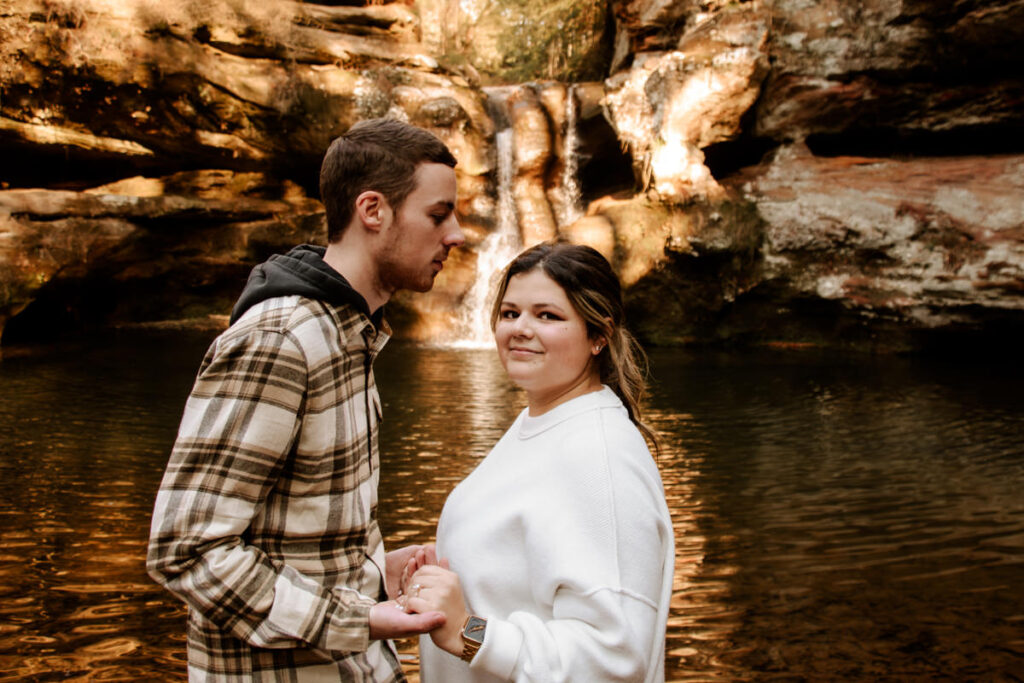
pixel 301 271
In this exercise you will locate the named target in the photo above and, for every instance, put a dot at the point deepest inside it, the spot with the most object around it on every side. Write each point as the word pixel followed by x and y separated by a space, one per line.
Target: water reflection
pixel 85 436
pixel 834 519
pixel 838 520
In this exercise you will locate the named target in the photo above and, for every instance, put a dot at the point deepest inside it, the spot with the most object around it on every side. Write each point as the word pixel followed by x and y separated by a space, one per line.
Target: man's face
pixel 417 239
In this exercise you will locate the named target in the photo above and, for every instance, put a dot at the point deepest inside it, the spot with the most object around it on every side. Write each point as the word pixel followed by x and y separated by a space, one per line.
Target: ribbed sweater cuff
pixel 500 651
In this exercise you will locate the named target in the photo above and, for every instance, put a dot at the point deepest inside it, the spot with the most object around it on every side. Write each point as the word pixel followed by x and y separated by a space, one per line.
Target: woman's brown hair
pixel 595 292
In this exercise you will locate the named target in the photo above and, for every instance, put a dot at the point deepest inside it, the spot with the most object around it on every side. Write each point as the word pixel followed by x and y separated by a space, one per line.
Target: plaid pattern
pixel 265 522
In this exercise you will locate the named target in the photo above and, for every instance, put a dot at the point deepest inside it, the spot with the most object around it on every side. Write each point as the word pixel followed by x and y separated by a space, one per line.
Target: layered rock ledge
pixel 795 172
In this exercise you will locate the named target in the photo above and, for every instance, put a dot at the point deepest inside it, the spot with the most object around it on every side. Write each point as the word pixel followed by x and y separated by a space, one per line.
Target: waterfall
pixel 498 248
pixel 571 209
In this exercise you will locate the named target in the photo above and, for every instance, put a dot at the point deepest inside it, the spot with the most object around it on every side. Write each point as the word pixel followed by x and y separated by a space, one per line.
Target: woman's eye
pixel 509 315
pixel 547 315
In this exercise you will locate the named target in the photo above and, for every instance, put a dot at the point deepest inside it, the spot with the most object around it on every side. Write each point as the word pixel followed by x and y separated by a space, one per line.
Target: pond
pixel 836 517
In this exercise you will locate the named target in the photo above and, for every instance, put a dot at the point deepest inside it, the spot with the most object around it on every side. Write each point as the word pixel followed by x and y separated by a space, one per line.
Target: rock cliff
pixel 794 172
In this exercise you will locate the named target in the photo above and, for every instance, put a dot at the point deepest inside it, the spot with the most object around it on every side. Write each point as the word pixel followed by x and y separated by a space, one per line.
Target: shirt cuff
pixel 500 651
pixel 347 623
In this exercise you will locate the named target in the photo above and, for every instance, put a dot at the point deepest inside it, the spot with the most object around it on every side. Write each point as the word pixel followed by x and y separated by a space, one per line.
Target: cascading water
pixel 502 245
pixel 571 209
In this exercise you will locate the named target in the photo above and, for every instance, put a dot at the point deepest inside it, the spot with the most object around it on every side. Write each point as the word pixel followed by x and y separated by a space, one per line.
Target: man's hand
pixel 388 620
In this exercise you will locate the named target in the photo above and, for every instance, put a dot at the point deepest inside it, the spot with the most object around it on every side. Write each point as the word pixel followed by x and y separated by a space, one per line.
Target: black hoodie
pixel 301 271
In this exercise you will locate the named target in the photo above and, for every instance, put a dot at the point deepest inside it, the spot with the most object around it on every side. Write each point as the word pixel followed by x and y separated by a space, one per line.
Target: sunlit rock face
pixel 96 91
pixel 876 222
pixel 897 69
pixel 789 172
pixel 919 245
pixel 496 42
pixel 670 105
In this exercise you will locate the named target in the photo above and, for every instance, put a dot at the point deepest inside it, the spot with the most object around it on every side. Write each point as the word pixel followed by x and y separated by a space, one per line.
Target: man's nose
pixel 454 236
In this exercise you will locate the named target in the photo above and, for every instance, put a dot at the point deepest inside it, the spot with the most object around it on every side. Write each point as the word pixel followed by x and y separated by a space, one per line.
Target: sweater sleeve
pixel 235 436
pixel 603 635
pixel 595 544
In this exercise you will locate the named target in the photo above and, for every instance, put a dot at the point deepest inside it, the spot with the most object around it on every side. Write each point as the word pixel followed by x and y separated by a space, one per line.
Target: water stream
pixel 571 206
pixel 473 329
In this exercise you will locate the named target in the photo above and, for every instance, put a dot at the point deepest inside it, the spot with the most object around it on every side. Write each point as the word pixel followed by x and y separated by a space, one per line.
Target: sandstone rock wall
pixel 791 172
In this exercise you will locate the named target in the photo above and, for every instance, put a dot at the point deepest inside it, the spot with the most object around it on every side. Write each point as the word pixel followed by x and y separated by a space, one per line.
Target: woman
pixel 559 543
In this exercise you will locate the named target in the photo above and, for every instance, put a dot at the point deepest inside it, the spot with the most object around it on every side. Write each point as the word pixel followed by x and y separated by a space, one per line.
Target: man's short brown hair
pixel 376 154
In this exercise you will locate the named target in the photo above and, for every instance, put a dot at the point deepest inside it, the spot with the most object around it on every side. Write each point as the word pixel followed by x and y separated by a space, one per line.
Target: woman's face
pixel 542 342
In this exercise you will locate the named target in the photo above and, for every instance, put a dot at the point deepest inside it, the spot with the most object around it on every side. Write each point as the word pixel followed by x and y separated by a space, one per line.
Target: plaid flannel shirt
pixel 265 522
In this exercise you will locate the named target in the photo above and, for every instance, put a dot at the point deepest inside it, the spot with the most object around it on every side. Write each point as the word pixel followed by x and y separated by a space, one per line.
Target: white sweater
pixel 562 540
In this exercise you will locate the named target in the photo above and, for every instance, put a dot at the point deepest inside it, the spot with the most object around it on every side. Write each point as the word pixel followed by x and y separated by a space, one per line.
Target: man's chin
pixel 418 285
pixel 422 287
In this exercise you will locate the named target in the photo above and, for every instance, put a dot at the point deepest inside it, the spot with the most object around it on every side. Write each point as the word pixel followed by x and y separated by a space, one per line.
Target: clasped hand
pixel 390 619
pixel 427 585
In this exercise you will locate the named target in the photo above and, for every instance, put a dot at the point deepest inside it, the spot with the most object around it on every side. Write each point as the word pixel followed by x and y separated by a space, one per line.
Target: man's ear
pixel 371 209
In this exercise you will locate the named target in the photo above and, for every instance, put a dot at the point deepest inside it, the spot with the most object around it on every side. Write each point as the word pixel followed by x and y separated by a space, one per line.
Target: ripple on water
pixel 96 629
pixel 105 611
pixel 91 588
pixel 110 647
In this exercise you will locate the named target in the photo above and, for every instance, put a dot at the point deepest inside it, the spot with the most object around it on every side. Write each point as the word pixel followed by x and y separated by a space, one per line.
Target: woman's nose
pixel 521 326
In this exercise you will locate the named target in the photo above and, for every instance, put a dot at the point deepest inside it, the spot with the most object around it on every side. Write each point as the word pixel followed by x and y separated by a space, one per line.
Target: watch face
pixel 475 629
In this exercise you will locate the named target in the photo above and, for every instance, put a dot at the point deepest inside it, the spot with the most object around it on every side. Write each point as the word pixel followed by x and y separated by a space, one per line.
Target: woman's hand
pixel 396 565
pixel 434 588
pixel 424 555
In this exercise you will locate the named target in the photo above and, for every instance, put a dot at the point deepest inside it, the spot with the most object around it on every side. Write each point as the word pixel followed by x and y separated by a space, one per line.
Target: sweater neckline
pixel 532 426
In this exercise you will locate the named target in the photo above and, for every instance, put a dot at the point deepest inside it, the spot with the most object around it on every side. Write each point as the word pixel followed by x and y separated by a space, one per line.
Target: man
pixel 265 523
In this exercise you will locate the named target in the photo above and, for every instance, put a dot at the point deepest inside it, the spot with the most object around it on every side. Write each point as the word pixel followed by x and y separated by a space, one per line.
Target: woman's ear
pixel 370 209
pixel 601 341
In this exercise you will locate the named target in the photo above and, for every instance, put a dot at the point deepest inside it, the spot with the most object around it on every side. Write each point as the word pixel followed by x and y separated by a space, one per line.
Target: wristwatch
pixel 472 637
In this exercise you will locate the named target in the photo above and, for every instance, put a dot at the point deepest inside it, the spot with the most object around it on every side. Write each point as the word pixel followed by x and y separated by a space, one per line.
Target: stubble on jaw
pixel 395 275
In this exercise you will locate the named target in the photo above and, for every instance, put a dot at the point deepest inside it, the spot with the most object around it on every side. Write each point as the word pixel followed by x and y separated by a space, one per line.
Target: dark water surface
pixel 836 519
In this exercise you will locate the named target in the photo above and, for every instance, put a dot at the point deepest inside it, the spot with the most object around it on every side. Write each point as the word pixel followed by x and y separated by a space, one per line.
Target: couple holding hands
pixel 553 558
